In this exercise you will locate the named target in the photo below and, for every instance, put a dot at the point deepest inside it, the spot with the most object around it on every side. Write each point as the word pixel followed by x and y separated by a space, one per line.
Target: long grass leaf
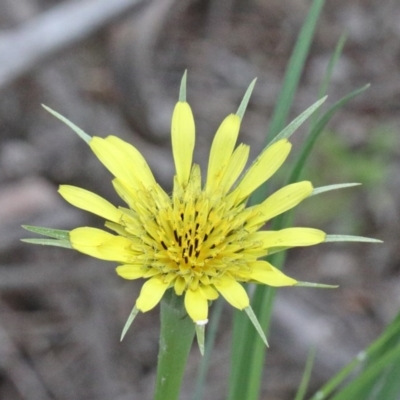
pixel 295 69
pixel 323 89
pixel 301 391
pixel 359 387
pixel 249 369
pixel 371 354
pixel 317 130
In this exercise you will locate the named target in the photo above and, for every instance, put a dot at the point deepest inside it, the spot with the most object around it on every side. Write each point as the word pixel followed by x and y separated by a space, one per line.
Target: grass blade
pixel 252 349
pixel 301 392
pixel 372 354
pixel 295 69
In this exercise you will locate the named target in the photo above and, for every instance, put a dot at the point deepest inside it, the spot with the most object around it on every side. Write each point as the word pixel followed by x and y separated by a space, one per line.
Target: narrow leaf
pixel 372 353
pixel 83 135
pixel 245 380
pixel 317 130
pixel 245 101
pixel 294 69
pixel 128 323
pixel 328 188
pixel 354 389
pixel 328 73
pixel 301 392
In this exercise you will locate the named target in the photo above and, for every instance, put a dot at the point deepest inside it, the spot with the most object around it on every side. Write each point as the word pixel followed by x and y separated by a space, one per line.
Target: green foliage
pixel 367 163
pixel 248 351
pixel 373 373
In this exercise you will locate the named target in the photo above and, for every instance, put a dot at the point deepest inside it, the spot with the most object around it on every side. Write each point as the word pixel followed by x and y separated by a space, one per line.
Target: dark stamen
pixel 176 235
pixel 190 250
pixel 163 245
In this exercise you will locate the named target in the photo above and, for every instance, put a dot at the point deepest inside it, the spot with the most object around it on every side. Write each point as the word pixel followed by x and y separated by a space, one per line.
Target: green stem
pixel 176 338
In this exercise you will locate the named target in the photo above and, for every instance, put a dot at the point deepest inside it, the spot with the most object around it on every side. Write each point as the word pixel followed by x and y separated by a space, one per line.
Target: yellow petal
pixel 222 149
pixel 208 292
pixel 183 137
pixel 101 244
pixel 179 286
pixel 151 293
pixel 264 272
pixel 130 271
pixel 137 161
pixel 196 305
pixel 280 201
pixel 235 167
pixel 290 237
pixel 266 164
pixel 91 202
pixel 233 292
pixel 117 161
pixel 126 192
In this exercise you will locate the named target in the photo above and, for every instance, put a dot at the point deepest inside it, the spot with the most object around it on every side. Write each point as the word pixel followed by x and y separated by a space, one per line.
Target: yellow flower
pixel 201 241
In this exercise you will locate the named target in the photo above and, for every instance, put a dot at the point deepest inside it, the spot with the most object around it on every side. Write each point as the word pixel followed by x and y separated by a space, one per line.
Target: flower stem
pixel 176 338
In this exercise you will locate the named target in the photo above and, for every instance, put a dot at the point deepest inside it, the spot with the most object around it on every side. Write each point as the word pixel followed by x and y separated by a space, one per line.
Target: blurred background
pixel 113 67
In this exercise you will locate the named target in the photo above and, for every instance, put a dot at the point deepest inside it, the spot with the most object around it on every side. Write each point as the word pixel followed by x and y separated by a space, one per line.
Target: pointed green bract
pixel 49 242
pixel 129 321
pixel 182 89
pixel 54 233
pixel 200 329
pixel 291 128
pixel 316 285
pixel 350 238
pixel 328 188
pixel 245 101
pixel 83 135
pixel 204 365
pixel 254 321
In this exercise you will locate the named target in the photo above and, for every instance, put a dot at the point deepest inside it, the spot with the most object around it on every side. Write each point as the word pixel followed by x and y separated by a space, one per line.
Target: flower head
pixel 201 241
